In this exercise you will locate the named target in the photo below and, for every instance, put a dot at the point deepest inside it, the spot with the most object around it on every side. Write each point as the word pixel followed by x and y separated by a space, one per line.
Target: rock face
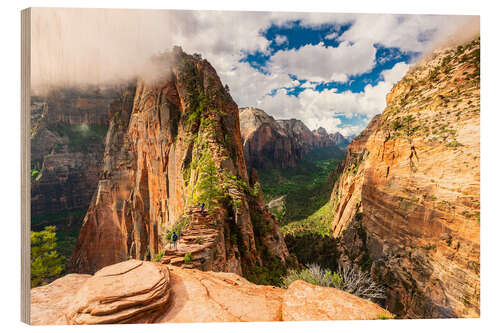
pixel 265 143
pixel 339 140
pixel 67 146
pixel 407 201
pixel 144 292
pixel 269 143
pixel 173 143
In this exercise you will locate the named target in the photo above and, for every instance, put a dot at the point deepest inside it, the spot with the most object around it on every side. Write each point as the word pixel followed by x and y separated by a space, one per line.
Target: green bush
pixel 349 279
pixel 384 316
pixel 188 257
pixel 158 256
pixel 314 274
pixel 46 263
pixel 34 173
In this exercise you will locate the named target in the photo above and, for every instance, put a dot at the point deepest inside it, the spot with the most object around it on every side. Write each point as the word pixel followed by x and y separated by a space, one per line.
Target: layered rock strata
pixel 407 201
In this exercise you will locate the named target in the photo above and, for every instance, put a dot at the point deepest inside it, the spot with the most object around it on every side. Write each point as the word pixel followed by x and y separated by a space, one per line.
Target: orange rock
pixel 304 301
pixel 144 292
pixel 49 302
pixel 407 202
pixel 161 134
pixel 130 291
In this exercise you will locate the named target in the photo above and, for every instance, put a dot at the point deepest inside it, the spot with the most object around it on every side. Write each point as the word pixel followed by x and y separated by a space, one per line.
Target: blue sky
pixel 293 36
pixel 326 69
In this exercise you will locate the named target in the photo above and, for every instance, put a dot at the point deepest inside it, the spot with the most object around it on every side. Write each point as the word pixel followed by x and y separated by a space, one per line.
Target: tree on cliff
pixel 209 185
pixel 46 263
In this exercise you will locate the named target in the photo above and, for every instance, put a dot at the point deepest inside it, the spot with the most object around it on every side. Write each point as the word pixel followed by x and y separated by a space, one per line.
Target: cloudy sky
pixel 329 70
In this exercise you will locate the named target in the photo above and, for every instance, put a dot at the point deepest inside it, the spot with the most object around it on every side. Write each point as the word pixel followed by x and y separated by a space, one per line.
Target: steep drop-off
pixel 407 201
pixel 173 143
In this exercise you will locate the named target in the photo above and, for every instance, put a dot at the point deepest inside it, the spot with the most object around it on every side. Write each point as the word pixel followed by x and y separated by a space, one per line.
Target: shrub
pixel 361 283
pixel 314 274
pixel 46 263
pixel 177 227
pixel 349 279
pixel 158 256
pixel 384 316
pixel 188 257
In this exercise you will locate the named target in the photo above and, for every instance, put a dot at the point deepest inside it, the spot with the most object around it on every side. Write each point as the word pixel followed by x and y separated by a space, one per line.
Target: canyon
pixel 404 205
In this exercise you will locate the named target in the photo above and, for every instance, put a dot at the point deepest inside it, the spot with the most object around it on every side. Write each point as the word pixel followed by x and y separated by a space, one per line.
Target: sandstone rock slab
pixel 304 301
pixel 130 291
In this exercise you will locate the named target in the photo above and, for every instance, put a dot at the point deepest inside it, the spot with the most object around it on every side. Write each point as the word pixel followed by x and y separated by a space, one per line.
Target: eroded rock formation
pixel 269 143
pixel 407 202
pixel 144 292
pixel 173 143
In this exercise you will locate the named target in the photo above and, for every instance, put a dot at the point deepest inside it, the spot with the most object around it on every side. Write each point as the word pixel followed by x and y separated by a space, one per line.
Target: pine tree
pixel 46 263
pixel 209 185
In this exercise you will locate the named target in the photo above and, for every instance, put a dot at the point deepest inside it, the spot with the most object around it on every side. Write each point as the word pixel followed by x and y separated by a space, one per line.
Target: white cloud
pixel 317 108
pixel 332 35
pixel 324 63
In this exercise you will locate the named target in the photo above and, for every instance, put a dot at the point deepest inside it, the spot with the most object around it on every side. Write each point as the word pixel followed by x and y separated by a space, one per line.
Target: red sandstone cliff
pixel 269 143
pixel 407 203
pixel 174 141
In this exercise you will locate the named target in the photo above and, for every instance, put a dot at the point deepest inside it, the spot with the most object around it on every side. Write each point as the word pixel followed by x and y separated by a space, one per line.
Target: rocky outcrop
pixel 269 143
pixel 339 140
pixel 265 143
pixel 407 201
pixel 173 143
pixel 302 135
pixel 144 292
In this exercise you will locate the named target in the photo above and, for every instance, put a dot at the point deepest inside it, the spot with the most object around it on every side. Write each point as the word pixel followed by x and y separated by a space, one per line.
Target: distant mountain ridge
pixel 269 143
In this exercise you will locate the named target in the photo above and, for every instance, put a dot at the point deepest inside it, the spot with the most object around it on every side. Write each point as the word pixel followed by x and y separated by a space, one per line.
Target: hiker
pixel 174 240
pixel 202 206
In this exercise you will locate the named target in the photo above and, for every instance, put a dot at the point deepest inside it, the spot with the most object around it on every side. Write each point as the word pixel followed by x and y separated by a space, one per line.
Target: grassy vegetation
pixel 305 219
pixel 316 223
pixel 188 257
pixel 306 187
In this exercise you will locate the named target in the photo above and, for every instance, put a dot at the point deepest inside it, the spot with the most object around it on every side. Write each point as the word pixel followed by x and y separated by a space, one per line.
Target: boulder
pixel 130 291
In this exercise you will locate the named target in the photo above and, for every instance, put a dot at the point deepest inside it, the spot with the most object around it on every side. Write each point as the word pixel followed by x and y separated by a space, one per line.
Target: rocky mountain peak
pixel 173 143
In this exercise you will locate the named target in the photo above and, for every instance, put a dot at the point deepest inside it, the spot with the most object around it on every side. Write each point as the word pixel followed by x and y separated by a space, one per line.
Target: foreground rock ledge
pixel 144 292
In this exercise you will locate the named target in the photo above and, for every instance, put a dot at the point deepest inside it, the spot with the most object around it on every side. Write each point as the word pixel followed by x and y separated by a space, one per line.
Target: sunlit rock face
pixel 173 142
pixel 269 143
pixel 407 202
